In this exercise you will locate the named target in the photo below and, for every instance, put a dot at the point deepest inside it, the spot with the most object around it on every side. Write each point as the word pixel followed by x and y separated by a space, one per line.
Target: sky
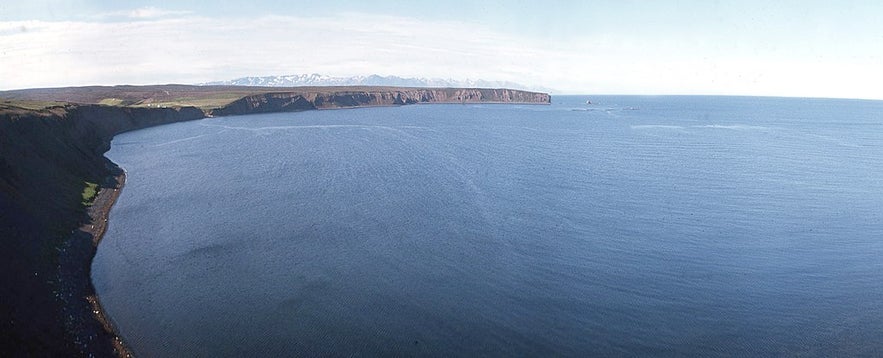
pixel 766 48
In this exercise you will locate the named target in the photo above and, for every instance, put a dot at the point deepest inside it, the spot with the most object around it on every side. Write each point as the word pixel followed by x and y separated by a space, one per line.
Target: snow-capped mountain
pixel 372 80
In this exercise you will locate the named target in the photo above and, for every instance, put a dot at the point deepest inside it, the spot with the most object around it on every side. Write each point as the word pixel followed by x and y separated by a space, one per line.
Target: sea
pixel 628 226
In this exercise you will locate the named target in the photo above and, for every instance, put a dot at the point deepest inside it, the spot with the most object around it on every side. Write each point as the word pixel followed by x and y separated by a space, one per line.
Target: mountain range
pixel 372 80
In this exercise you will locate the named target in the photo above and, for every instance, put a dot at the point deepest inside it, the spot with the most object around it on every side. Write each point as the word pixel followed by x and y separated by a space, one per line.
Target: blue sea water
pixel 634 226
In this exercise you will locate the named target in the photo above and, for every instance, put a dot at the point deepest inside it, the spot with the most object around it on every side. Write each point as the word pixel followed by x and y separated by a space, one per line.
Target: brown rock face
pixel 307 100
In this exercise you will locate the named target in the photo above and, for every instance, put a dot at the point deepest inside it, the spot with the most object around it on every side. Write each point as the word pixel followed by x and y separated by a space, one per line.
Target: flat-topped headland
pixel 56 188
pixel 224 100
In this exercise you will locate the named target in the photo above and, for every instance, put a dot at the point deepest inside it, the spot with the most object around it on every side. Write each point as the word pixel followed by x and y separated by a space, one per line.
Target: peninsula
pixel 56 188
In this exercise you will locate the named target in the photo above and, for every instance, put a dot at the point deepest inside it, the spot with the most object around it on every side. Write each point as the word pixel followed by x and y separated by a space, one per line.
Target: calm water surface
pixel 710 226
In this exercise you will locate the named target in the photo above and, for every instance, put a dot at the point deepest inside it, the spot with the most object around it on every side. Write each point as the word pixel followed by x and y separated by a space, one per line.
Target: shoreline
pixel 99 214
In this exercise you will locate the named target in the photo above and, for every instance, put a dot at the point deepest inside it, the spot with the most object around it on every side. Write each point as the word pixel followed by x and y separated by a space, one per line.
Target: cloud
pixel 150 12
pixel 164 47
pixel 144 13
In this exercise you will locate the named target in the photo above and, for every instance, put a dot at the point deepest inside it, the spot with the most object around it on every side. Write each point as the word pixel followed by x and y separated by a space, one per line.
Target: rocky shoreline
pixel 81 247
pixel 100 214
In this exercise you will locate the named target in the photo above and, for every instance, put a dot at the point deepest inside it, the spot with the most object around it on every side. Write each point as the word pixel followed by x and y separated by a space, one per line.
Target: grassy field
pixel 114 102
pixel 204 101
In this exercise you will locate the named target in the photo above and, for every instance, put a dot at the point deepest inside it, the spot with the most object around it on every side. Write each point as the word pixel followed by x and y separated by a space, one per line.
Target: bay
pixel 663 225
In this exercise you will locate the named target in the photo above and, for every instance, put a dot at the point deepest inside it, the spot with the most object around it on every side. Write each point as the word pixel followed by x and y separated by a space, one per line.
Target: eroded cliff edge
pixel 48 155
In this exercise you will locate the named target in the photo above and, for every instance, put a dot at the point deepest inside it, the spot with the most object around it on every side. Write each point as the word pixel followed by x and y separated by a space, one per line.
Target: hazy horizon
pixel 788 49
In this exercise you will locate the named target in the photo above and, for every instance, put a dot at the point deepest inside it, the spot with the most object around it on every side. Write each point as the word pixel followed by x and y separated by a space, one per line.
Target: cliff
pixel 46 158
pixel 307 100
pixel 49 151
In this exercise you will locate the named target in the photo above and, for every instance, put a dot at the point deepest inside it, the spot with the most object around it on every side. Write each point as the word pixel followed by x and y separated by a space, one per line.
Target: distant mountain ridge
pixel 316 79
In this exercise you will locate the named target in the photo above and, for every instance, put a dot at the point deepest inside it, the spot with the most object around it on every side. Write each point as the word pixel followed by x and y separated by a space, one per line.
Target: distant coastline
pixel 55 140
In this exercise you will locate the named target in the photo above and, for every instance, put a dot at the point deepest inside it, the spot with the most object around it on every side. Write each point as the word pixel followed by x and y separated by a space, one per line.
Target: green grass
pixel 113 102
pixel 203 104
pixel 89 193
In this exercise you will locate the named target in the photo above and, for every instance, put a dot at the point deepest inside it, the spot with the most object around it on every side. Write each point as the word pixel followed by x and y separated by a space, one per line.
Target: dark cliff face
pixel 45 159
pixel 46 150
pixel 266 103
pixel 301 101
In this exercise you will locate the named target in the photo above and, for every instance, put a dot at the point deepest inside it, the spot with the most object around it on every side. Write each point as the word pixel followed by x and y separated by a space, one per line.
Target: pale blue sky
pixel 787 48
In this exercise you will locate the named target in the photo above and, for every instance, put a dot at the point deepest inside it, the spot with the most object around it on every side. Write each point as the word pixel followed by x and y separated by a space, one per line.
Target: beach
pixel 99 212
pixel 84 319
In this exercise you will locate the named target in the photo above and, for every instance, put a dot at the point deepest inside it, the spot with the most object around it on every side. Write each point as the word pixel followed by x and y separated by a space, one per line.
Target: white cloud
pixel 143 13
pixel 197 49
pixel 151 12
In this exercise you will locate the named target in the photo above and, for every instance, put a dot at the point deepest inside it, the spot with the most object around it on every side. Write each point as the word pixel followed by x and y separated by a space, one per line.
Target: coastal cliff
pixel 53 153
pixel 307 100
pixel 47 157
